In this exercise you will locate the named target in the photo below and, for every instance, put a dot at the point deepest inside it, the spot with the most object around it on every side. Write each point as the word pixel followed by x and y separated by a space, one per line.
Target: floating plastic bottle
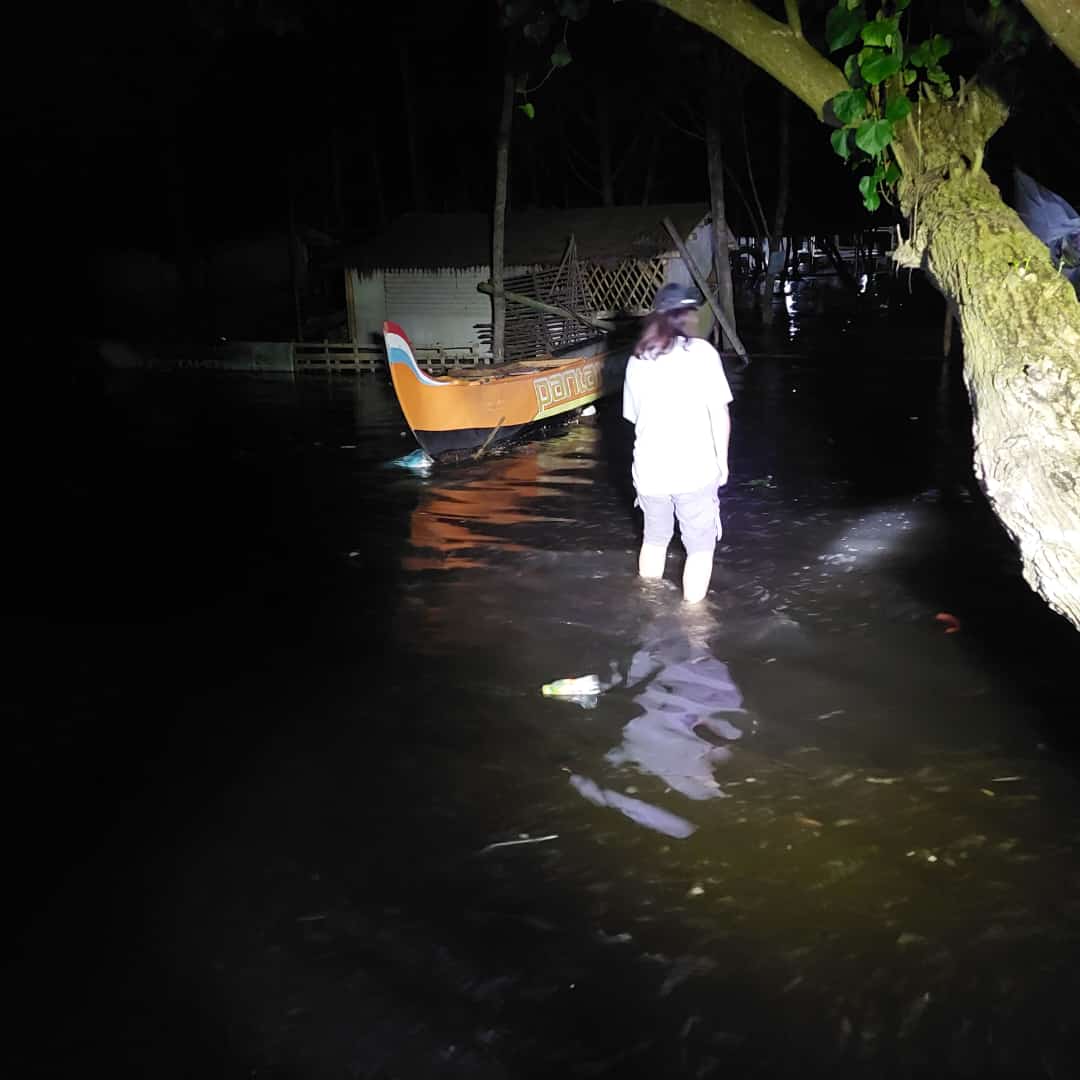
pixel 578 687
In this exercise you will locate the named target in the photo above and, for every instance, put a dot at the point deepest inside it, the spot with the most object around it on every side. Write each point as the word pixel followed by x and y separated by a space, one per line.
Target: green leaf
pixel 877 66
pixel 851 70
pixel 539 30
pixel 897 108
pixel 892 173
pixel 849 106
pixel 920 55
pixel 880 32
pixel 842 25
pixel 910 75
pixel 513 10
pixel 940 47
pixel 528 109
pixel 841 142
pixel 574 10
pixel 937 75
pixel 561 56
pixel 901 5
pixel 869 192
pixel 873 136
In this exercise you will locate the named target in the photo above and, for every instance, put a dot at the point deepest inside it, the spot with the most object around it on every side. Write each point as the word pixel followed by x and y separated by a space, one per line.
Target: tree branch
pixel 794 20
pixel 570 152
pixel 1061 23
pixel 678 127
pixel 772 45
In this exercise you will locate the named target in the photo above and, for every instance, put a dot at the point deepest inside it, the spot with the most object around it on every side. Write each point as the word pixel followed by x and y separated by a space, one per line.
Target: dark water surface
pixel 284 718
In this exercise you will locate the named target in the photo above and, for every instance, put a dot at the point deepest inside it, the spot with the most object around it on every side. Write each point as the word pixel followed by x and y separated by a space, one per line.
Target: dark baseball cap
pixel 676 297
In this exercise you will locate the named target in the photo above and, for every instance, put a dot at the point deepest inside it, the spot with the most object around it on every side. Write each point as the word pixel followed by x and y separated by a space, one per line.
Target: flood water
pixel 289 802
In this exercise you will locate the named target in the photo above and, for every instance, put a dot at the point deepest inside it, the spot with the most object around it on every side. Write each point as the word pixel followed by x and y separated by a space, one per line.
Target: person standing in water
pixel 676 396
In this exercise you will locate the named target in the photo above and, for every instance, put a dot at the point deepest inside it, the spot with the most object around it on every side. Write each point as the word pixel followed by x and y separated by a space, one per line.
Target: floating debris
pixel 882 779
pixel 914 1014
pixel 909 938
pixel 519 842
pixel 613 939
pixel 417 461
pixel 580 686
pixel 922 853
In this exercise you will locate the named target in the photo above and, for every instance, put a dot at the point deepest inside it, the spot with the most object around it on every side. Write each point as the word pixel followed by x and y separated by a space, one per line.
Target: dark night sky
pixel 128 121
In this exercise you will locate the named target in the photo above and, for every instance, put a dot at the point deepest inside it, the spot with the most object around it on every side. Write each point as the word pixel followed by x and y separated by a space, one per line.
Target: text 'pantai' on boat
pixel 474 409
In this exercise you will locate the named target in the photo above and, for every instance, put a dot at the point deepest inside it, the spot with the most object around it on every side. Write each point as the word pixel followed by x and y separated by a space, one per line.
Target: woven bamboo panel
pixel 627 287
pixel 532 333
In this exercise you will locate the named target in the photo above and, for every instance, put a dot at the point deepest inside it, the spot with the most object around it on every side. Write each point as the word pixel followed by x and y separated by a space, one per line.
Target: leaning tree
pixel 922 139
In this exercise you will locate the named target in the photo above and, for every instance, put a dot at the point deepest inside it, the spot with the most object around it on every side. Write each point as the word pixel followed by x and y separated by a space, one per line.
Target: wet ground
pixel 288 801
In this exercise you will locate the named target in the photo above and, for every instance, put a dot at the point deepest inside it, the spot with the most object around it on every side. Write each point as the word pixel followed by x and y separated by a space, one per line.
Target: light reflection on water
pixel 452 525
pixel 877 867
pixel 864 837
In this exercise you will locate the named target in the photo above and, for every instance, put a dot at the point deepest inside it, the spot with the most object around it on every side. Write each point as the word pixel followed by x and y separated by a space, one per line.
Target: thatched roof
pixel 533 238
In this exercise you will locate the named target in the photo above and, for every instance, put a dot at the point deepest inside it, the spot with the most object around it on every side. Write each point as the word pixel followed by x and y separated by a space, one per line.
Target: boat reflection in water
pixel 465 512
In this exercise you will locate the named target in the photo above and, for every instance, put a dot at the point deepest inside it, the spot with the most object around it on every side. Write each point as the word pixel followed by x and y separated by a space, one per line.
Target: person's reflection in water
pixel 684 691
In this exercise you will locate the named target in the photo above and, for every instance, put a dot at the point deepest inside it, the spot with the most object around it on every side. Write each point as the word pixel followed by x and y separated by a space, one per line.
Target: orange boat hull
pixel 483 407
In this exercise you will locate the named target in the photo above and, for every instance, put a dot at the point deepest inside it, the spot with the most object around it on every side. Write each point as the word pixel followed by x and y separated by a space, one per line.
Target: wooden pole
pixel 498 220
pixel 548 309
pixel 714 152
pixel 710 297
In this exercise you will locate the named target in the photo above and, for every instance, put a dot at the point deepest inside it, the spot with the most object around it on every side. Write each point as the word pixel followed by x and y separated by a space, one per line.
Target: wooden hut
pixel 423 273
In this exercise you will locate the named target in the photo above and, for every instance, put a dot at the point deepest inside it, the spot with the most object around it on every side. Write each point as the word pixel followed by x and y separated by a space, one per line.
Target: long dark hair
pixel 662 330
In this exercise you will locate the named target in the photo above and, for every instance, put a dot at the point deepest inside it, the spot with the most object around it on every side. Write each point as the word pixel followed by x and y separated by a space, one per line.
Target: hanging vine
pixel 885 75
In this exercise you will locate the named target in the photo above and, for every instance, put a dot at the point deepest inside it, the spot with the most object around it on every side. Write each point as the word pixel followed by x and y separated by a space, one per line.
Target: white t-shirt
pixel 676 403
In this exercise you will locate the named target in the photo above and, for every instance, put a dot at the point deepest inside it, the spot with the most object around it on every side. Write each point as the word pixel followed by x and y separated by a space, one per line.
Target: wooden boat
pixel 477 408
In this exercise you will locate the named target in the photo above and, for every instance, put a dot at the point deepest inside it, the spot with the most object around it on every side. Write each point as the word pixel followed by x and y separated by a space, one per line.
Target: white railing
pixel 349 357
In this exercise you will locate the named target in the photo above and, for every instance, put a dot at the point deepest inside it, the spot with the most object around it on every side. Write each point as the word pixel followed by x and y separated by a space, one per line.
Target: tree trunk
pixel 1061 24
pixel 375 171
pixel 412 138
pixel 1020 318
pixel 603 138
pixel 337 223
pixel 498 231
pixel 188 320
pixel 294 251
pixel 650 169
pixel 1020 321
pixel 776 234
pixel 720 234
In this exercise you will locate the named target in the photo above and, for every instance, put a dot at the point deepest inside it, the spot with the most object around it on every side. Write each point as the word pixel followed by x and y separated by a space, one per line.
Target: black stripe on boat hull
pixel 465 441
